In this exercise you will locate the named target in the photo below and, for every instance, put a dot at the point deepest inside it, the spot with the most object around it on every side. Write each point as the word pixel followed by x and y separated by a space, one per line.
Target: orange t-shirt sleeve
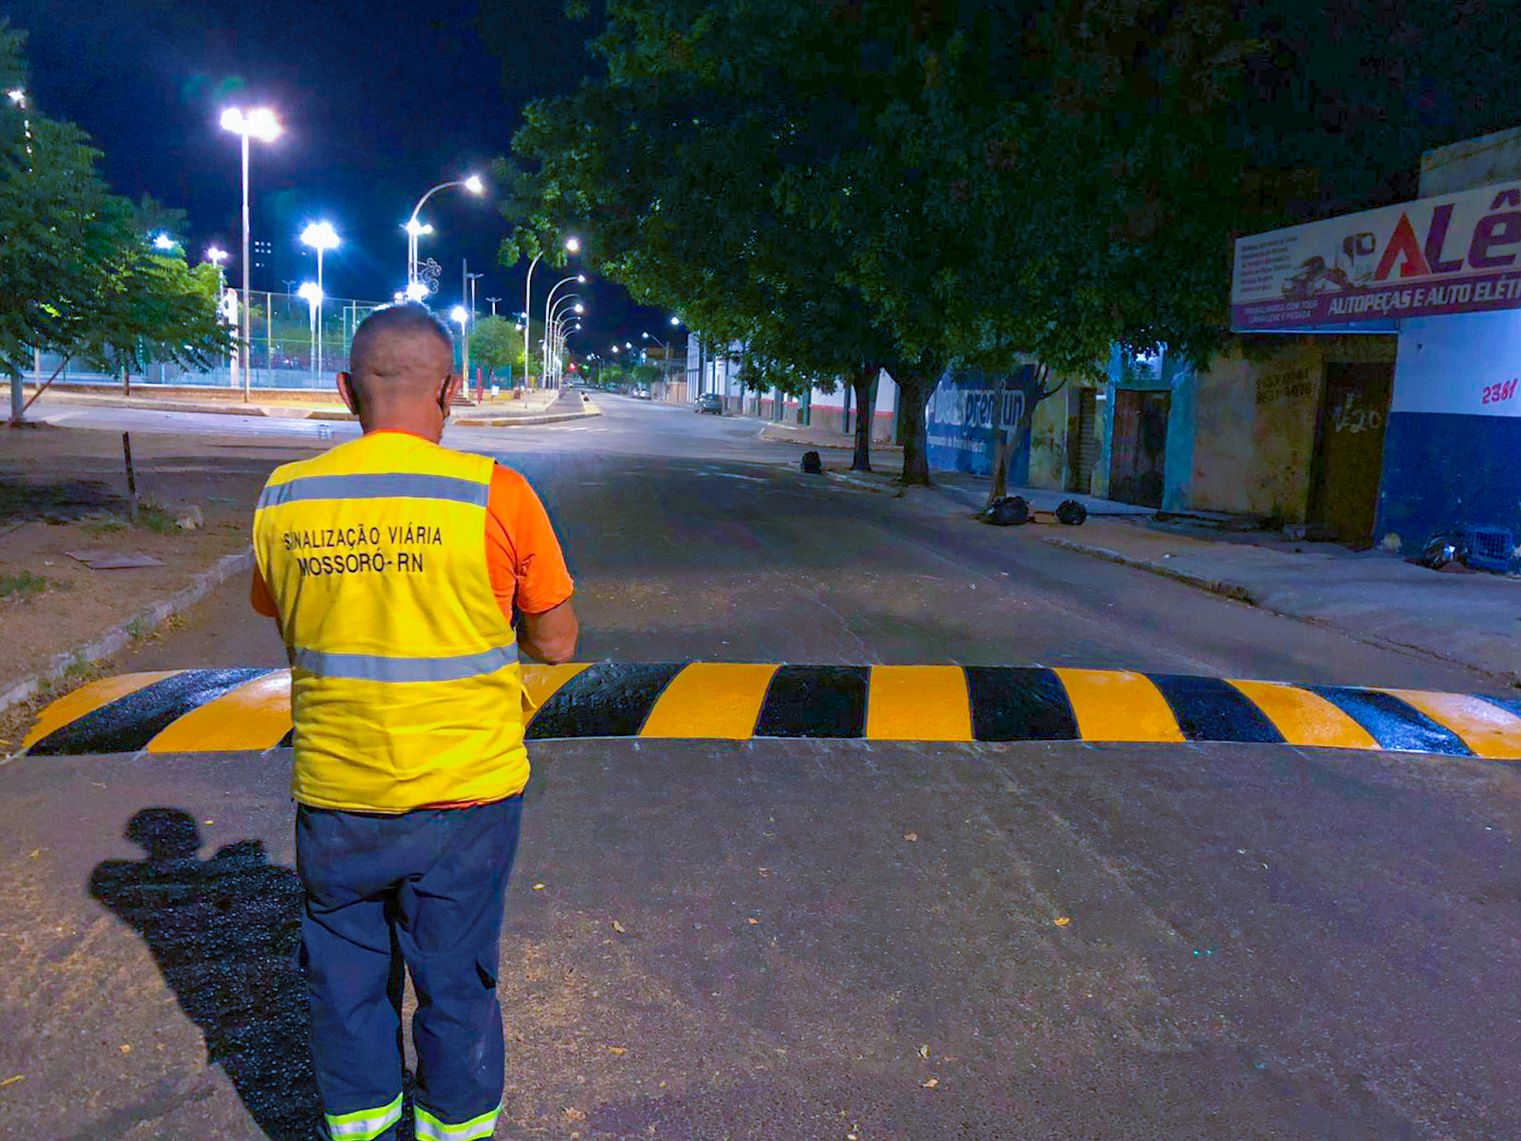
pixel 523 555
pixel 260 598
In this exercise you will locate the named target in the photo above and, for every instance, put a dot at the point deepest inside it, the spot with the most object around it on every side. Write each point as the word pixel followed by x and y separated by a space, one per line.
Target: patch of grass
pixel 25 585
pixel 105 526
pixel 152 517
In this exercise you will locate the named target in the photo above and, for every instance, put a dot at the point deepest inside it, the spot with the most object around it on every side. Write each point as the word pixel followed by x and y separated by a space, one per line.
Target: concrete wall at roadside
pixel 827 410
pixel 1454 435
pixel 1254 435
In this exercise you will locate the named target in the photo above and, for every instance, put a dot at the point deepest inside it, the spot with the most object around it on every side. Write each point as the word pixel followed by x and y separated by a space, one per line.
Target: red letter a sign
pixel 1402 243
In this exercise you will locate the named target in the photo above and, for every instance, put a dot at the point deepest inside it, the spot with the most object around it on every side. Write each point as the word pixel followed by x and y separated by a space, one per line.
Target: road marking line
pixel 256 715
pixel 918 703
pixel 710 700
pixel 1491 732
pixel 1305 718
pixel 87 699
pixel 1117 705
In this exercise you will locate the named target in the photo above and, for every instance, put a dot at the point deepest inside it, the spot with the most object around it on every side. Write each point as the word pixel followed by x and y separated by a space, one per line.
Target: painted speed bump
pixel 237 710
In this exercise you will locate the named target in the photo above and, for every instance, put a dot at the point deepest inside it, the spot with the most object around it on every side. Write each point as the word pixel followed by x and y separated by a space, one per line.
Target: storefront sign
pixel 1458 253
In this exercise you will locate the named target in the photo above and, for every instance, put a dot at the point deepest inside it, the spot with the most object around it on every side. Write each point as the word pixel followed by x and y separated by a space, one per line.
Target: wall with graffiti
pixel 962 416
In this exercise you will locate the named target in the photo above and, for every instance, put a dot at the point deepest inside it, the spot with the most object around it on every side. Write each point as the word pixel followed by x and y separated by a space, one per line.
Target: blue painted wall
pixel 960 419
pixel 1452 448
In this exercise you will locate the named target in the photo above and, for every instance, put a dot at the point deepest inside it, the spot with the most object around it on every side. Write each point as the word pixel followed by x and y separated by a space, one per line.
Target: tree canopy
pixel 78 274
pixel 496 343
pixel 906 184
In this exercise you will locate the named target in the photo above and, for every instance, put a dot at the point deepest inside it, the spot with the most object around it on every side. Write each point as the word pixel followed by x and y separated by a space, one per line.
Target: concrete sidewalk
pixel 292 406
pixel 1457 615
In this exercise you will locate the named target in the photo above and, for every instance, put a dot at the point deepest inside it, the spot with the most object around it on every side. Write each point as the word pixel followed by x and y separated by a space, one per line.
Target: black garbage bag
pixel 1440 550
pixel 1071 513
pixel 1010 511
pixel 812 464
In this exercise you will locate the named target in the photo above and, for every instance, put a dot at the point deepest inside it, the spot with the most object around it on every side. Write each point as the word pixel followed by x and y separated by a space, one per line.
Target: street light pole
pixel 551 317
pixel 321 237
pixel 246 332
pixel 473 184
pixel 572 245
pixel 544 351
pixel 259 122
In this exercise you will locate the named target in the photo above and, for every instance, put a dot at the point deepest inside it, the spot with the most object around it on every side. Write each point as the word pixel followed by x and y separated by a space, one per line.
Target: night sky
pixel 379 102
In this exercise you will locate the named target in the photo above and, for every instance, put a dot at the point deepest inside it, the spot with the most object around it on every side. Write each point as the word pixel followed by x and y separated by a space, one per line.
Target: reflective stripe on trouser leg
pixel 364 1124
pixel 430 1128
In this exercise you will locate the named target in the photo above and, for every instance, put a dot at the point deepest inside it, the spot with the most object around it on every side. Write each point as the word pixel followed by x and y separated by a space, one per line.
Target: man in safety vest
pixel 394 567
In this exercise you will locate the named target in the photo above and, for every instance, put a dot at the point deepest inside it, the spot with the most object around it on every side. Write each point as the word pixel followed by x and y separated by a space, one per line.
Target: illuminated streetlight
pixel 17 96
pixel 572 246
pixel 472 183
pixel 321 237
pixel 216 256
pixel 676 320
pixel 311 293
pixel 577 277
pixel 461 317
pixel 163 242
pixel 258 123
pixel 416 292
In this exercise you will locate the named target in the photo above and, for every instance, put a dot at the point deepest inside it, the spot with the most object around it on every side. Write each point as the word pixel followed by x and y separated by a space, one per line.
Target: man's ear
pixel 348 392
pixel 451 390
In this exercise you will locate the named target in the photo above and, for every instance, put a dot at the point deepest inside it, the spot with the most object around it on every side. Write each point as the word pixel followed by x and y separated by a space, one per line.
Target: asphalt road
pixel 822 940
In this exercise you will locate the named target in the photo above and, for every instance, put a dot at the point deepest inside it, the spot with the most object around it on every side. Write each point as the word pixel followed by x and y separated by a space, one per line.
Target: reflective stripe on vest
pixel 397 485
pixel 365 1124
pixel 373 667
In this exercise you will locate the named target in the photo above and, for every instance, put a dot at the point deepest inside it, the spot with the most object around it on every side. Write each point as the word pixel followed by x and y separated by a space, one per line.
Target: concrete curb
pixel 1225 589
pixel 892 491
pixel 525 421
pixel 119 637
pixel 274 412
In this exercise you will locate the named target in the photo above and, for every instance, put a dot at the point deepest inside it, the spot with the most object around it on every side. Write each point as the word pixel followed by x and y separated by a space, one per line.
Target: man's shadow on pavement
pixel 225 933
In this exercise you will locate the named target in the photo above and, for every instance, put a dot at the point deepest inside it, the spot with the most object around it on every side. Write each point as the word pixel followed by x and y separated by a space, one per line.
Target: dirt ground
pixel 66 490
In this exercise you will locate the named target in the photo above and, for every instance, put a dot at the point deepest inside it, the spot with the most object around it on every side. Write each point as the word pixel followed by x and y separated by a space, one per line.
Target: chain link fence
pixel 283 351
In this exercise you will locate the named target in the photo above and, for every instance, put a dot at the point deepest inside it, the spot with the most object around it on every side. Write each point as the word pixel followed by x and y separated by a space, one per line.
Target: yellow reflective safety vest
pixel 405 684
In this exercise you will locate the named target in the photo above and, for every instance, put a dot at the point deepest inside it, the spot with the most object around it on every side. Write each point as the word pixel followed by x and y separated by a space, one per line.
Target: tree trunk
pixel 861 385
pixel 914 394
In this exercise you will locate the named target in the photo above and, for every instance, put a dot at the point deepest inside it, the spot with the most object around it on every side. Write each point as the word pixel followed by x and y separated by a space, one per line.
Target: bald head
pixel 400 363
pixel 401 342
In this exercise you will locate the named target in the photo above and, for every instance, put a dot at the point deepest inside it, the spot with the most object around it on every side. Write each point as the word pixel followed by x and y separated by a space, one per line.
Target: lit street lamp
pixel 573 246
pixel 461 316
pixel 473 184
pixel 576 277
pixel 416 292
pixel 257 123
pixel 311 293
pixel 550 317
pixel 163 243
pixel 321 237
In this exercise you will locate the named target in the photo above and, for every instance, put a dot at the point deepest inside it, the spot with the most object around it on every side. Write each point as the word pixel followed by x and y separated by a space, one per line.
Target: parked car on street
pixel 640 393
pixel 710 402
